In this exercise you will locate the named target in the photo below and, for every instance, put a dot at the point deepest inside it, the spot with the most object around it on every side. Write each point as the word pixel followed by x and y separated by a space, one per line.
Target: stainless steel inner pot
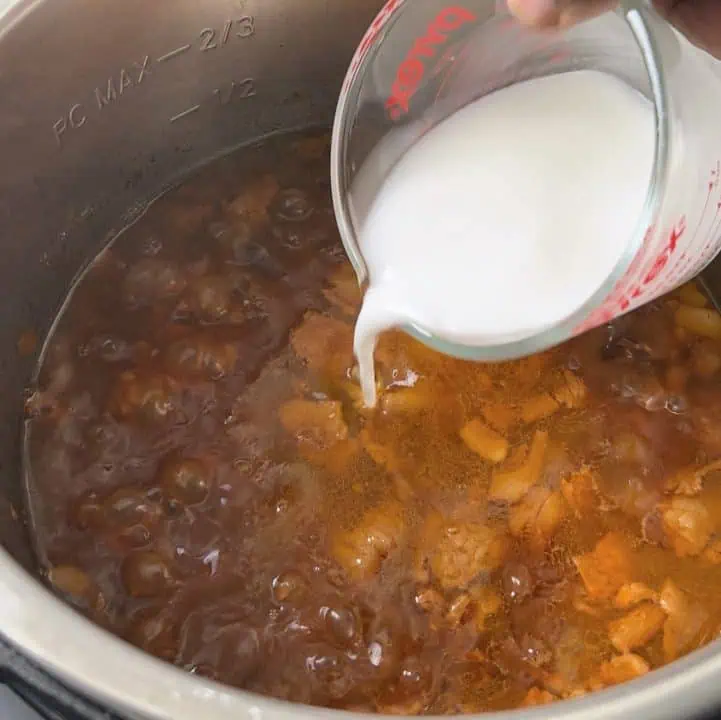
pixel 103 104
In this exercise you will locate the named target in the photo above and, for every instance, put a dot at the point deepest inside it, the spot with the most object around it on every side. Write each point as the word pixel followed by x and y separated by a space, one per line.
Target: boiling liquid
pixel 201 482
pixel 505 218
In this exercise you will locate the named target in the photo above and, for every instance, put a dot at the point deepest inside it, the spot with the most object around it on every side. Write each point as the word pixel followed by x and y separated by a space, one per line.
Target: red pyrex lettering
pixel 638 289
pixel 630 288
pixel 661 261
pixel 411 71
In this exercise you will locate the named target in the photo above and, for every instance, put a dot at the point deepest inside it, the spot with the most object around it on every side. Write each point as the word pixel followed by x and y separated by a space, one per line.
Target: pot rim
pixel 108 670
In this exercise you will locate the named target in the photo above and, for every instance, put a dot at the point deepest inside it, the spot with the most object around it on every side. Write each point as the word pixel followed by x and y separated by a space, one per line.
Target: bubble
pixel 291 205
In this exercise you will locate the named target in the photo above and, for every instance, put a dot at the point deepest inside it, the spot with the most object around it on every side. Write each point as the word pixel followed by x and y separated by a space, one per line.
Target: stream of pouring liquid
pixel 506 217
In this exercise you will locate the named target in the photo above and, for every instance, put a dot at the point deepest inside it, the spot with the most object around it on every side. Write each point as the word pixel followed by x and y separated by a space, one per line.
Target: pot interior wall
pixel 105 104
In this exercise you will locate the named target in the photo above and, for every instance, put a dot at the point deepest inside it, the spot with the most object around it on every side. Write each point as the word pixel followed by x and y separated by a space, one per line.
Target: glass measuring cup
pixel 423 60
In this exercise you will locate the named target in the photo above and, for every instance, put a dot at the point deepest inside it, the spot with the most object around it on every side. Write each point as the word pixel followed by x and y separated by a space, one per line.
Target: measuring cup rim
pixel 640 19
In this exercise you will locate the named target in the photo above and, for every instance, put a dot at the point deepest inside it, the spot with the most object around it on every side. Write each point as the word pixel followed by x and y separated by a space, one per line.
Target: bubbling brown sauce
pixel 204 481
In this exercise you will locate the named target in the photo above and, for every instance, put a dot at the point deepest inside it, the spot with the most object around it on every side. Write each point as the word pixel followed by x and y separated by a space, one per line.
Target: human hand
pixel 699 20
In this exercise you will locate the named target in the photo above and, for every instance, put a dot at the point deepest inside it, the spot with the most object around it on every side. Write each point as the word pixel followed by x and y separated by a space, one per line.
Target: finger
pixel 535 13
pixel 558 13
pixel 576 12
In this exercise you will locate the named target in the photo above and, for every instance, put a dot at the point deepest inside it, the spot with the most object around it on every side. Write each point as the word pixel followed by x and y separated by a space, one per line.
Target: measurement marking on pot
pixel 226 32
pixel 74 119
pixel 184 113
pixel 235 90
pixel 104 95
pixel 244 28
pixel 242 89
pixel 111 90
pixel 116 86
pixel 174 53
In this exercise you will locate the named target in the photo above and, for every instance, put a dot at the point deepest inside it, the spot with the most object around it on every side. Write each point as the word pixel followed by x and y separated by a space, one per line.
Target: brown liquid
pixel 205 482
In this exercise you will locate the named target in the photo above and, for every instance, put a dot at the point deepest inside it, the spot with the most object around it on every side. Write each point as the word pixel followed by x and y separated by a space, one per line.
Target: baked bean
pixel 289 586
pixel 342 625
pixel 144 396
pixel 72 581
pixel 199 356
pixel 146 574
pixel 130 506
pixel 152 279
pixel 212 296
pixel 87 512
pixel 185 480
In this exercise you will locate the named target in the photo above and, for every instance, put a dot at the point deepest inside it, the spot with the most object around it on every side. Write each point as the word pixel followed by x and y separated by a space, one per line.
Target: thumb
pixel 557 13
